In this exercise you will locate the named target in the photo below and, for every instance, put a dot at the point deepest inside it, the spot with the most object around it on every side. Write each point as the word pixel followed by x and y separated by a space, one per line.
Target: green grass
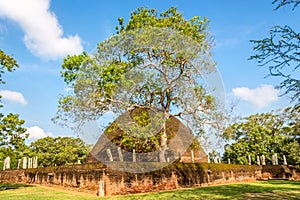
pixel 269 190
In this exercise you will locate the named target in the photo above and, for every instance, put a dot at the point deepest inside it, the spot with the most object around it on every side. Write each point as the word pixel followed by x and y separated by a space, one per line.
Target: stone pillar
pixel 192 156
pixel 263 160
pixel 110 157
pixel 120 154
pixel 6 164
pixel 29 163
pixel 101 188
pixel 19 163
pixel 257 160
pixel 133 156
pixel 35 162
pixel 249 159
pixel 24 163
pixel 215 160
pixel 284 160
pixel 229 161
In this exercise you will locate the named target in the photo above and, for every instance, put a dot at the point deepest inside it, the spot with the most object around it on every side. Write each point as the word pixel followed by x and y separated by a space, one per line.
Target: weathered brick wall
pixel 281 172
pixel 87 177
pixel 12 176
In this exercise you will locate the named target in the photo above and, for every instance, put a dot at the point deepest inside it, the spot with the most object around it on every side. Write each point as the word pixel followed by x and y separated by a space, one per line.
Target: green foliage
pixel 7 63
pixel 58 151
pixel 196 28
pixel 12 136
pixel 71 65
pixel 264 134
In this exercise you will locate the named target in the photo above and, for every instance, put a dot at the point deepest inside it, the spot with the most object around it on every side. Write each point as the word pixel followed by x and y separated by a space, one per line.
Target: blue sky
pixel 39 33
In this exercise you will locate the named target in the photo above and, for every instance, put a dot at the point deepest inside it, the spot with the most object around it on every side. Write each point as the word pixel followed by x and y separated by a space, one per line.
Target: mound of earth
pixel 123 143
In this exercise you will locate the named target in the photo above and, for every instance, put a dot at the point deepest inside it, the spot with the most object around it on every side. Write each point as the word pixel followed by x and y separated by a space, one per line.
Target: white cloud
pixel 12 96
pixel 43 33
pixel 36 132
pixel 261 97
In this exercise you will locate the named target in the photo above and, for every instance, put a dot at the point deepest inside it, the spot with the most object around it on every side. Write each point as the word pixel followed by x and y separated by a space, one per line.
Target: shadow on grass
pixel 11 186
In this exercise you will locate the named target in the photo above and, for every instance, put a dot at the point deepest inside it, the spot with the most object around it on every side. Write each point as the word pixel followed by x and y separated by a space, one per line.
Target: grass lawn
pixel 255 190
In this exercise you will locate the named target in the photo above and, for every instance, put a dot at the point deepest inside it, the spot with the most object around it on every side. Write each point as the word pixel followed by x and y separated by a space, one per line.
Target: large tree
pixel 156 61
pixel 280 53
pixel 264 134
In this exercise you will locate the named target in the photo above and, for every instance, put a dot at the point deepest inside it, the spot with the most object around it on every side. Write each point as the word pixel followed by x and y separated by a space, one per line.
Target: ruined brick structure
pixel 87 177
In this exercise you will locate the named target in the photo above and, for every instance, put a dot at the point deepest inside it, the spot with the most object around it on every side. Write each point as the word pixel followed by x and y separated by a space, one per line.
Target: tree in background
pixel 264 134
pixel 12 132
pixel 7 63
pixel 159 72
pixel 58 151
pixel 280 52
pixel 12 137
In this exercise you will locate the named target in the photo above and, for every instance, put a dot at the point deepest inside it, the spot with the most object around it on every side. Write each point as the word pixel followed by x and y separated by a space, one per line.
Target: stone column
pixel 120 154
pixel 110 157
pixel 35 162
pixel 263 160
pixel 19 163
pixel 275 159
pixel 29 163
pixel 215 160
pixel 133 156
pixel 192 156
pixel 284 160
pixel 257 160
pixel 101 188
pixel 6 164
pixel 229 161
pixel 24 163
pixel 249 159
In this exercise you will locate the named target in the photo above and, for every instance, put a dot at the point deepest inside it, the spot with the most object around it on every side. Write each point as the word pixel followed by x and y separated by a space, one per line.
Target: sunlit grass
pixel 255 190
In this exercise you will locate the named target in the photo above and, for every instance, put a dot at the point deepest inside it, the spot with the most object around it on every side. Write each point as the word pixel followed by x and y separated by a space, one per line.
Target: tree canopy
pixel 264 134
pixel 58 151
pixel 7 63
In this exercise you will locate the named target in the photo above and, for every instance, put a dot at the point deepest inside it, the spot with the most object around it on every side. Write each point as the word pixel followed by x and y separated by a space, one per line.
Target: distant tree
pixel 160 73
pixel 12 134
pixel 280 52
pixel 58 151
pixel 7 63
pixel 264 134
